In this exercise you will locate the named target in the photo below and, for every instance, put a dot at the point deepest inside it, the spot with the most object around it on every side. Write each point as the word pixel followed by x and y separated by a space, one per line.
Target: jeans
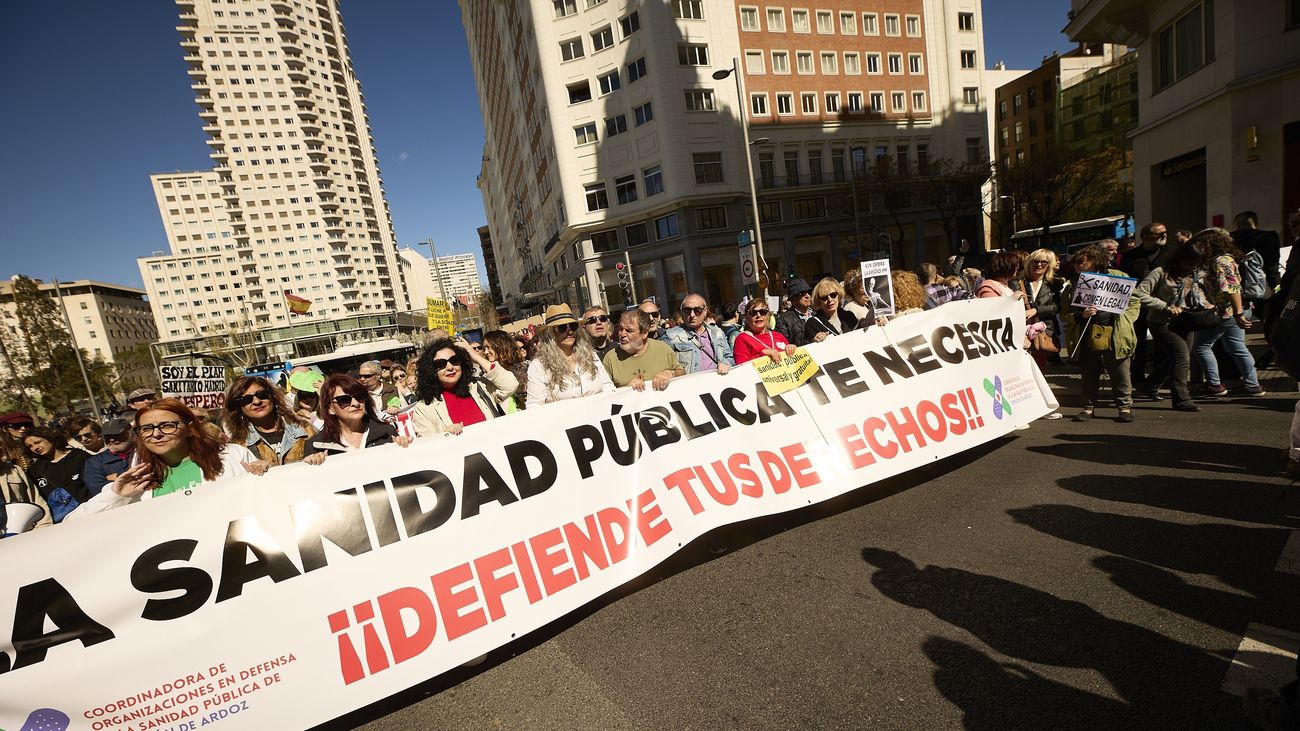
pixel 1234 344
pixel 1092 361
pixel 1173 361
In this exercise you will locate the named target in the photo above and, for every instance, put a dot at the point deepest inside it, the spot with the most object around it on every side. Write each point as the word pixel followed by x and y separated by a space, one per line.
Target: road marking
pixel 1289 561
pixel 1265 658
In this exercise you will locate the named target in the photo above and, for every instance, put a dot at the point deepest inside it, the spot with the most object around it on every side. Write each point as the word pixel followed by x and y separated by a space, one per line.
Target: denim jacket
pixel 687 348
pixel 292 447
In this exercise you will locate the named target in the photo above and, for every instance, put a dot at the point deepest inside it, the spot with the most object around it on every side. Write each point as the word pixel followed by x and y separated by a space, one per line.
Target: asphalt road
pixel 1095 575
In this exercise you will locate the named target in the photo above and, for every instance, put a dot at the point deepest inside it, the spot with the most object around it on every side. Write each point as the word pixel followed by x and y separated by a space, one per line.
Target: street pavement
pixel 1094 575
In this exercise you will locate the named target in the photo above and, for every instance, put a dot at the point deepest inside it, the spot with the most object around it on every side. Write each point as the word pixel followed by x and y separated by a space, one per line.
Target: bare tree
pixel 953 190
pixel 1060 184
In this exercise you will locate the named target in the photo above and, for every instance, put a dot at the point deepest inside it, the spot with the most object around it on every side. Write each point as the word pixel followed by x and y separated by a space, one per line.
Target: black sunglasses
pixel 653 315
pixel 566 328
pixel 20 425
pixel 759 313
pixel 146 397
pixel 263 395
pixel 346 399
pixel 693 310
pixel 597 318
pixel 440 363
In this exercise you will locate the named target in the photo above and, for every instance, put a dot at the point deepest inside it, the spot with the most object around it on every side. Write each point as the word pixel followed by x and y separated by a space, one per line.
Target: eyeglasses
pixel 693 310
pixel 164 428
pixel 440 363
pixel 597 318
pixel 242 401
pixel 759 313
pixel 346 400
pixel 566 328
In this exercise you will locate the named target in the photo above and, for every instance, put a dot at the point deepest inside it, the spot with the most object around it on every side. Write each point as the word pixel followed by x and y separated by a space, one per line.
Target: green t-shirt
pixel 181 477
pixel 623 368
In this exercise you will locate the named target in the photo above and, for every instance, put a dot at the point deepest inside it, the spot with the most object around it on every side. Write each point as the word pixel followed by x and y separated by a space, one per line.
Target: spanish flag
pixel 297 305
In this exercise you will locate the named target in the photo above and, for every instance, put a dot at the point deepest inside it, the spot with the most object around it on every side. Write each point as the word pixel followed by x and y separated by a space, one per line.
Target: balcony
pixel 189 43
pixel 298 75
pixel 198 74
pixel 322 177
pixel 325 194
pixel 212 129
pixel 278 6
pixel 216 141
pixel 287 35
pixel 201 87
pixel 303 102
pixel 300 89
pixel 220 156
pixel 329 207
pixel 316 155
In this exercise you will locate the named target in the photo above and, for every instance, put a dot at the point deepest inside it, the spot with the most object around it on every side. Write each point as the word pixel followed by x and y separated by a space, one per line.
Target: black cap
pixel 796 287
pixel 116 428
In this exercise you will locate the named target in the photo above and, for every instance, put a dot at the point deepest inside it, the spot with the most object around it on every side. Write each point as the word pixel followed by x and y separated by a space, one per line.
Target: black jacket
pixel 1139 262
pixel 1268 246
pixel 1047 302
pixel 846 322
pixel 378 434
pixel 791 326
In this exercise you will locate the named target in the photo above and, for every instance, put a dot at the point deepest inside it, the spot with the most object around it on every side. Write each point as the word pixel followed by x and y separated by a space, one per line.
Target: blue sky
pixel 97 98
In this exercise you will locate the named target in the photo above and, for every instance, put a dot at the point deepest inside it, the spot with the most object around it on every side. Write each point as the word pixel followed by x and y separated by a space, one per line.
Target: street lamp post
pixel 741 107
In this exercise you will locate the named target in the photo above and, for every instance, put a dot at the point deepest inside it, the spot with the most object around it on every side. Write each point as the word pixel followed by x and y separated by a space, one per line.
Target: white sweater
pixel 233 457
pixel 575 386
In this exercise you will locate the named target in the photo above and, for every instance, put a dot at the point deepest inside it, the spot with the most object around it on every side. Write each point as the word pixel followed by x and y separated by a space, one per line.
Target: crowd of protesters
pixel 1194 296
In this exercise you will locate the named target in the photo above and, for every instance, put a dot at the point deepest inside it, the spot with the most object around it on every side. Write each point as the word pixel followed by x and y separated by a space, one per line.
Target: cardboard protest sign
pixel 787 374
pixel 288 600
pixel 200 387
pixel 879 286
pixel 440 315
pixel 1106 292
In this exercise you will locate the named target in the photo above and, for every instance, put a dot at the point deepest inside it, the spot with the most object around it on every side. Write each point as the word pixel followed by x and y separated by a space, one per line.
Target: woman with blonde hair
pixel 567 365
pixel 909 295
pixel 1042 288
pixel 829 318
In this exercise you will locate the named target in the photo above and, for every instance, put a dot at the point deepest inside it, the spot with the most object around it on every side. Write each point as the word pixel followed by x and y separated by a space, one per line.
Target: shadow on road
pixel 1158 452
pixel 1256 502
pixel 1239 556
pixel 1158 678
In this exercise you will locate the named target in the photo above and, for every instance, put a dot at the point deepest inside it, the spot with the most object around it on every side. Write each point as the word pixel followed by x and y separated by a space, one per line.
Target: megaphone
pixel 22 517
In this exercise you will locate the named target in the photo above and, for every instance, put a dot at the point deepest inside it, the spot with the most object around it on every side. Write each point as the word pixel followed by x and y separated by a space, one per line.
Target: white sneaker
pixel 1021 427
pixel 1053 416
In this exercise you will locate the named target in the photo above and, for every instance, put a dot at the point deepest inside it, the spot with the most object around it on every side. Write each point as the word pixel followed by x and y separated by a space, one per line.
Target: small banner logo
pixel 47 719
pixel 1000 402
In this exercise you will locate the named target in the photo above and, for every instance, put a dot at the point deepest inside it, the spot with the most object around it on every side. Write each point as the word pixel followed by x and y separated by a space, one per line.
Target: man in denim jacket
pixel 699 346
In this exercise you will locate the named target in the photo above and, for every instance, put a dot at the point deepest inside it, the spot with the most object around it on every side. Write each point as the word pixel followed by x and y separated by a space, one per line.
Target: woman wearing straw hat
pixel 566 365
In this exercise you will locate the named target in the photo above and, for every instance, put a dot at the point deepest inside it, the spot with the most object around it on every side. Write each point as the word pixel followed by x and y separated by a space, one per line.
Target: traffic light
pixel 624 278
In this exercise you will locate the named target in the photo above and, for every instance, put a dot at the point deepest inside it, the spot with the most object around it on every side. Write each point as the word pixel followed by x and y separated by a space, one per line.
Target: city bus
pixel 1066 238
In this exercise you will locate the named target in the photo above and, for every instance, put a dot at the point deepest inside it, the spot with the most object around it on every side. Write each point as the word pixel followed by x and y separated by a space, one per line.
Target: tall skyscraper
pixel 294 203
pixel 614 129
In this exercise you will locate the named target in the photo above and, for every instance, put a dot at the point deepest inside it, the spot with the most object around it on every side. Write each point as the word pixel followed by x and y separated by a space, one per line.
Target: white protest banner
pixel 1106 292
pixel 288 600
pixel 878 285
pixel 200 387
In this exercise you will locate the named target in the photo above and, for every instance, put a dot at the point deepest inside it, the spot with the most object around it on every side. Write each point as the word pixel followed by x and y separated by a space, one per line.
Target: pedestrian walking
pixel 1221 278
pixel 1174 301
pixel 1100 339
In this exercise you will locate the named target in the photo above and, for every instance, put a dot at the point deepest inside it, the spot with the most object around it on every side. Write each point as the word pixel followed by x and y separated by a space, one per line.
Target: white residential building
pixel 459 274
pixel 608 136
pixel 294 203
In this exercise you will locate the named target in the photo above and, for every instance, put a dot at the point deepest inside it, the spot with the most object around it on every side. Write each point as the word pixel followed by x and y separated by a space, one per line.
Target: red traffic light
pixel 619 266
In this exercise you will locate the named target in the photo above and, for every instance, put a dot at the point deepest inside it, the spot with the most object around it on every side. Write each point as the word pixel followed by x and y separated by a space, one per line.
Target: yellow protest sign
pixel 790 373
pixel 440 315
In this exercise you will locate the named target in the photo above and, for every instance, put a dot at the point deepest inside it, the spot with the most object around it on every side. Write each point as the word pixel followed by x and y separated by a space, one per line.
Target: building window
pixel 636 70
pixel 775 20
pixel 692 54
pixel 708 167
pixel 780 62
pixel 1184 46
pixel 749 19
pixel 895 63
pixel 849 24
pixel 829 63
pixel 799 21
pixel 667 227
pixel 918 101
pixel 699 100
pixel 754 63
pixel 571 49
pixel 652 180
pixel 891 25
pixel 1031 96
pixel 854 102
pixel 604 241
pixel 711 218
pixel 852 64
pixel 873 63
pixel 914 26
pixel 609 82
pixel 970 95
pixel 784 104
pixel 636 234
pixel 914 64
pixel 758 105
pixel 770 212
pixel 1033 126
pixel 1049 88
pixel 808 102
pixel 601 39
pixel 616 125
pixel 974 150
pixel 630 24
pixel 586 133
pixel 1016 103
pixel 564 8
pixel 643 114
pixel 597 197
pixel 898 101
pixel 807 208
pixel 803 61
pixel 825 22
pixel 869 27
pixel 625 189
pixel 1019 132
pixel 579 92
pixel 965 21
pixel 877 101
pixel 832 103
pixel 688 9
pixel 968 59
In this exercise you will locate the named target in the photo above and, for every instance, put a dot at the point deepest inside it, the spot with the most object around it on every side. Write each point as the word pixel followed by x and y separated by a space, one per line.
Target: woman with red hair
pixel 176 454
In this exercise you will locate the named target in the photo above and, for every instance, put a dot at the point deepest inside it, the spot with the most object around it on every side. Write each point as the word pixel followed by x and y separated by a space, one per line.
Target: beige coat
pixel 16 488
pixel 488 390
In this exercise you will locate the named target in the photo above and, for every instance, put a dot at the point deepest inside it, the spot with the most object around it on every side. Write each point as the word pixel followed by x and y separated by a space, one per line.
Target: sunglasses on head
pixel 346 399
pixel 440 363
pixel 597 318
pixel 263 395
pixel 566 328
pixel 693 310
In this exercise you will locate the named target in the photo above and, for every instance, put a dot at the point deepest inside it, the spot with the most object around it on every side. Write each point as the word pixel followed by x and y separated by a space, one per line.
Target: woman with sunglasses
pixel 504 350
pixel 405 393
pixel 174 454
pixel 351 423
pixel 566 365
pixel 829 319
pixel 258 416
pixel 758 339
pixel 452 396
